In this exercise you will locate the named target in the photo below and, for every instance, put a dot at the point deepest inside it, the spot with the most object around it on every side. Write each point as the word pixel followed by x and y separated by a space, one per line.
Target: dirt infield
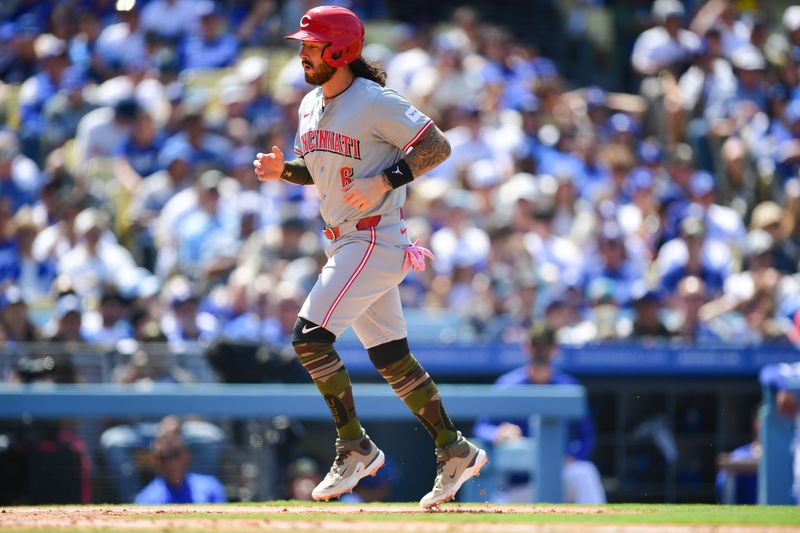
pixel 339 518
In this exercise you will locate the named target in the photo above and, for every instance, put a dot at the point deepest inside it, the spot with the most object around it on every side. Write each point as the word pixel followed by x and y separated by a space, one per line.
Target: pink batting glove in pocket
pixel 415 257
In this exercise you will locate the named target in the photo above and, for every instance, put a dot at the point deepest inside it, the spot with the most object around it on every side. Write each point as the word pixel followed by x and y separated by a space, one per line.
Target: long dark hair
pixel 370 70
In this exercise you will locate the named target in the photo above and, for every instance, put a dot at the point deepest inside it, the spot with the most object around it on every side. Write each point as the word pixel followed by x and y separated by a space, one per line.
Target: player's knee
pixel 388 353
pixel 307 332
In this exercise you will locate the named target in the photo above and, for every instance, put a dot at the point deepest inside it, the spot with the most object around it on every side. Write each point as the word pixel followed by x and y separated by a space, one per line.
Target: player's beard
pixel 320 74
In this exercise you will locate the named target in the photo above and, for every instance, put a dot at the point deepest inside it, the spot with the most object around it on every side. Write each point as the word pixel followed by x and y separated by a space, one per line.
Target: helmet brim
pixel 305 35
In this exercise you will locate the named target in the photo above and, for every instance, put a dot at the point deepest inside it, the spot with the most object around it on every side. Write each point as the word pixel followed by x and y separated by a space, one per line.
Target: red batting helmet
pixel 337 26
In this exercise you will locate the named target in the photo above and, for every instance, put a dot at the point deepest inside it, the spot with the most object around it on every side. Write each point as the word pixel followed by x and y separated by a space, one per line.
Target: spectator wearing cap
pixel 82 47
pixel 620 128
pixel 120 43
pixel 209 46
pixel 471 141
pixel 142 149
pixel 59 237
pixel 693 253
pixel 786 40
pixel 17 263
pixel 666 45
pixel 67 320
pixel 208 229
pixel 251 313
pixel 723 223
pixel 101 132
pixel 612 261
pixel 208 150
pixel 597 111
pixel 170 19
pixel 742 97
pixel 604 319
pixel 580 477
pixel 203 439
pixel 648 323
pixel 770 217
pixel 461 249
pixel 183 322
pixel 96 260
pixel 64 111
pixel 302 475
pixel 759 291
pixel 20 178
pixel 260 110
pixel 174 482
pixel 680 167
pixel 109 323
pixel 546 249
pixel 445 82
pixel 641 216
pixel 709 73
pixel 51 54
pixel 153 193
pixel 15 322
pixel 690 296
pixel 620 161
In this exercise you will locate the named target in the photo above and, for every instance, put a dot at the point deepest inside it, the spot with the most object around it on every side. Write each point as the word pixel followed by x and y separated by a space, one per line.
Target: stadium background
pixel 564 155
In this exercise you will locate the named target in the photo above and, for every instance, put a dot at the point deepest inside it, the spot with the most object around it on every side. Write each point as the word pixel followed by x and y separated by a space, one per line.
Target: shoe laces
pixel 441 459
pixel 342 453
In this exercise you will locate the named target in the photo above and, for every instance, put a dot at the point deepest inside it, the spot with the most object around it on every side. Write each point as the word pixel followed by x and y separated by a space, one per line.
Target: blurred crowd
pixel 129 208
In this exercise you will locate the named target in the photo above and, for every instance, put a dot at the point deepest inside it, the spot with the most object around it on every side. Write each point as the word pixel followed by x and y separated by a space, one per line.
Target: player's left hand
pixel 365 192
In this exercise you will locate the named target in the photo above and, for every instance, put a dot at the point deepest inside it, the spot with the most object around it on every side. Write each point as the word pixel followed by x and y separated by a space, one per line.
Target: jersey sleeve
pixel 396 121
pixel 297 147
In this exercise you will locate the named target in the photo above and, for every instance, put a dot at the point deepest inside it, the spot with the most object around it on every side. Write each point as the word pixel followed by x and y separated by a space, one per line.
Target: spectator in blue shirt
pixel 142 149
pixel 580 477
pixel 51 53
pixel 174 483
pixel 210 46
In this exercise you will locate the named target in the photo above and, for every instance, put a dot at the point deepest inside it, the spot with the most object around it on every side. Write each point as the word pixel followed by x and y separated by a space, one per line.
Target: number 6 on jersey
pixel 346 174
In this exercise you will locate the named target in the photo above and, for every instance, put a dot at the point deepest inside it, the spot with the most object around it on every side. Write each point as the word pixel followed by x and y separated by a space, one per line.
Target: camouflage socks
pixel 331 378
pixel 414 386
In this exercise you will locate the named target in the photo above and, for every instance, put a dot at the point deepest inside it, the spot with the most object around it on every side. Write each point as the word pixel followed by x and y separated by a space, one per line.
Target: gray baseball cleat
pixel 456 463
pixel 355 459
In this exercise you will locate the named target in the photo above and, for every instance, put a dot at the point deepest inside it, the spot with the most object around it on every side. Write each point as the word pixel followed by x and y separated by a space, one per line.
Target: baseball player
pixel 353 144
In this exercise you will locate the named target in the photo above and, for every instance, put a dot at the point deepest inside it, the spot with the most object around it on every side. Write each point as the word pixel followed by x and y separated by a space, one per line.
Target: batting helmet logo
pixel 337 26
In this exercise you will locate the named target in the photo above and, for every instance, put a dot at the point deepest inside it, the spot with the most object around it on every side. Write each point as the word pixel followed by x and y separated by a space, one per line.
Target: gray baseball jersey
pixel 362 131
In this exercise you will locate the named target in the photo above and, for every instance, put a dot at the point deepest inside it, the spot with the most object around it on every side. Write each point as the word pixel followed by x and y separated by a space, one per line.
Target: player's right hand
pixel 269 167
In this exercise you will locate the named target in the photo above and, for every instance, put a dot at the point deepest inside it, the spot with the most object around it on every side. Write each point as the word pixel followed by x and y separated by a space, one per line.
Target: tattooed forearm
pixel 296 172
pixel 429 151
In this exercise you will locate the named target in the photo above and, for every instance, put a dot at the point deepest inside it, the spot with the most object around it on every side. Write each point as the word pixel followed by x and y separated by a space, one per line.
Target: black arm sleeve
pixel 296 172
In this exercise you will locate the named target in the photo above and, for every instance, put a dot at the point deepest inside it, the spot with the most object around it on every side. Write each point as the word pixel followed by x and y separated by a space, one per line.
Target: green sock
pixel 331 378
pixel 418 391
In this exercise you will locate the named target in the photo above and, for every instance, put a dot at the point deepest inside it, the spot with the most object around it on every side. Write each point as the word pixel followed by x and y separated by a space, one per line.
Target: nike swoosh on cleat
pixel 305 115
pixel 304 330
pixel 403 230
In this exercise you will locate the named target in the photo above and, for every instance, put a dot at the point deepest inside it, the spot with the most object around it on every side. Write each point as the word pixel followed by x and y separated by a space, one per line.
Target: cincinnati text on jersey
pixel 330 141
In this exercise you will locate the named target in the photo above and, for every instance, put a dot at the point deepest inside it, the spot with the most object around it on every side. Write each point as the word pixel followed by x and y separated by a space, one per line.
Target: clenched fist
pixel 269 167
